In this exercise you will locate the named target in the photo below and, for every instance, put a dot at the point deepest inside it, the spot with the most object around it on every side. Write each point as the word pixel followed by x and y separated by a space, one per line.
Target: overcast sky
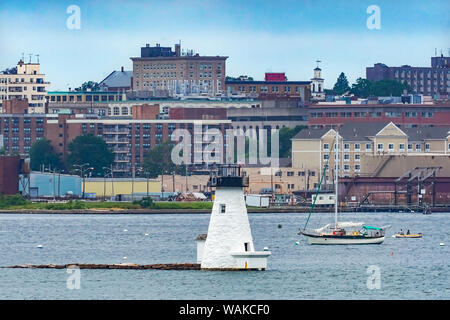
pixel 258 36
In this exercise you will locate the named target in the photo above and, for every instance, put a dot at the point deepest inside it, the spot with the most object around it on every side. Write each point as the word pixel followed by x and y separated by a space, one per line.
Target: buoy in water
pixel 124 258
pixel 266 249
pixel 125 230
pixel 441 244
pixel 280 226
pixel 297 243
pixel 145 234
pixel 40 246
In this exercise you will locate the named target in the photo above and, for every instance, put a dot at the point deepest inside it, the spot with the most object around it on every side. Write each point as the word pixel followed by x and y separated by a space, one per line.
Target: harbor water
pixel 395 269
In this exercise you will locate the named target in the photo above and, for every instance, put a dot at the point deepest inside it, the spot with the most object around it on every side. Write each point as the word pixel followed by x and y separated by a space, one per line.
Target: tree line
pixel 364 88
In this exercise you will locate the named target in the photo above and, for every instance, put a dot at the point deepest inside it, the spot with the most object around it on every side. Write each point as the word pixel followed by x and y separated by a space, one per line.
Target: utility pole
pixel 83 176
pixel 173 181
pixel 162 185
pixel 132 183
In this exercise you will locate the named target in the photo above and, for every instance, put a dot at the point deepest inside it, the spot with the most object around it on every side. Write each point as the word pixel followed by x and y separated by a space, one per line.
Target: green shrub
pixel 145 202
pixel 13 200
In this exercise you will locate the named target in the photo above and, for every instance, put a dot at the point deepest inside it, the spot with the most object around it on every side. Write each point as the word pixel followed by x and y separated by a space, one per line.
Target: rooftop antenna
pixel 37 56
pixel 318 61
pixel 435 52
pixel 23 56
pixel 30 54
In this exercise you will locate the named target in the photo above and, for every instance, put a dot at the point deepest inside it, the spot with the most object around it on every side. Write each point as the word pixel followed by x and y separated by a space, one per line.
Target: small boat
pixel 412 235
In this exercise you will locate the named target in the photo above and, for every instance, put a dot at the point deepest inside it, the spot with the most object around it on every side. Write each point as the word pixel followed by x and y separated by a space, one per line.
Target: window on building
pixel 391 146
pixel 380 147
pixel 368 146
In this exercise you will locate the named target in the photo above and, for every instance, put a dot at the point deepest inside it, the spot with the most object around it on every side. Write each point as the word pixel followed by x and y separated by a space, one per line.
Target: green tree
pixel 90 149
pixel 42 153
pixel 361 88
pixel 158 160
pixel 285 142
pixel 341 86
pixel 94 86
pixel 388 88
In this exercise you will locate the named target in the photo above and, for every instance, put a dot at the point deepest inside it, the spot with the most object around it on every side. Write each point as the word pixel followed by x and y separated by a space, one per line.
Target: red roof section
pixel 274 76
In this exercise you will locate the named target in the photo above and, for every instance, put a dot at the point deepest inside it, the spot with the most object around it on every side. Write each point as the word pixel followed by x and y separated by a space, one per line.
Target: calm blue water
pixel 409 268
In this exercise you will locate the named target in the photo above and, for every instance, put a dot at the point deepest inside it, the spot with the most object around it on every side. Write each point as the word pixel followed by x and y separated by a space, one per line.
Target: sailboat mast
pixel 336 169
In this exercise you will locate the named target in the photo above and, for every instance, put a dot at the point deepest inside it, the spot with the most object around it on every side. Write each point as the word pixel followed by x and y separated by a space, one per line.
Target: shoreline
pixel 207 211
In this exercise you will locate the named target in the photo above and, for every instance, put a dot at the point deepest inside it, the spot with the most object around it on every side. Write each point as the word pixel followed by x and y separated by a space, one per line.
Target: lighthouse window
pixel 222 208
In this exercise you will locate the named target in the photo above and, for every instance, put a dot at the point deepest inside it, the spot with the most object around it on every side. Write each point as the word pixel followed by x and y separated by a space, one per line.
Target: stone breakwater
pixel 133 266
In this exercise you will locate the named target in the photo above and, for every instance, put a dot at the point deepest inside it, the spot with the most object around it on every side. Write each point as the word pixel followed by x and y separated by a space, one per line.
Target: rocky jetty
pixel 133 266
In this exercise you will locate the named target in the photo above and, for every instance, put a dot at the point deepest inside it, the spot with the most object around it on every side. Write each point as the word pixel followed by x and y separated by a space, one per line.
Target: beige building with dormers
pixel 365 148
pixel 26 82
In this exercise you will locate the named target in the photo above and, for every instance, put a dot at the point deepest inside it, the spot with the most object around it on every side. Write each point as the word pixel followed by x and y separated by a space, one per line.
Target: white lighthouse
pixel 229 242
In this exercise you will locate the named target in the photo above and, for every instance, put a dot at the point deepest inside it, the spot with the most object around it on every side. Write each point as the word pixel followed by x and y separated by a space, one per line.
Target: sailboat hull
pixel 343 240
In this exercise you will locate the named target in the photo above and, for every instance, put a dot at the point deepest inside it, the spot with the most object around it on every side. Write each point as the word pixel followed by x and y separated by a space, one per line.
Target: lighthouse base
pixel 246 261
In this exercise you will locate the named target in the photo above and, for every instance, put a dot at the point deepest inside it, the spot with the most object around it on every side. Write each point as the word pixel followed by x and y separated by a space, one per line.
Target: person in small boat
pixel 401 232
pixel 407 232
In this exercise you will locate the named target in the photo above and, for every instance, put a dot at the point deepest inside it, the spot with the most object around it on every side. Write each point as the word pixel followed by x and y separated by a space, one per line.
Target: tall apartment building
pixel 176 72
pixel 25 81
pixel 129 138
pixel 363 145
pixel 433 81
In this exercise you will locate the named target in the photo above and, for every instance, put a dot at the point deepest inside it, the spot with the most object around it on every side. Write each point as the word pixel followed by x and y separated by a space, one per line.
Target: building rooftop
pixel 362 131
pixel 117 79
pixel 267 82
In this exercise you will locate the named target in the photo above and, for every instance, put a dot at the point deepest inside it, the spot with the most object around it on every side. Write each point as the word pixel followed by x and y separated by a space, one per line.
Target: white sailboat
pixel 343 232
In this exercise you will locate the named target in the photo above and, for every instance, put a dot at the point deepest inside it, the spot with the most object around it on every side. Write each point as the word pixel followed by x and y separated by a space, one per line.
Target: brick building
pixel 272 87
pixel 159 68
pixel 434 80
pixel 403 115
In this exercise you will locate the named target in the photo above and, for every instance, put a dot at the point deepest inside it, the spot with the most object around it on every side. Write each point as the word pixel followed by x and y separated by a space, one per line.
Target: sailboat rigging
pixel 341 232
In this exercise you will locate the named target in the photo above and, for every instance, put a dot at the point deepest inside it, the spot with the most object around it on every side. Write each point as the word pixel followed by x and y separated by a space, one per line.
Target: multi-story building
pixel 271 87
pixel 403 115
pixel 129 139
pixel 25 81
pixel 433 81
pixel 19 131
pixel 110 104
pixel 176 72
pixel 363 144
